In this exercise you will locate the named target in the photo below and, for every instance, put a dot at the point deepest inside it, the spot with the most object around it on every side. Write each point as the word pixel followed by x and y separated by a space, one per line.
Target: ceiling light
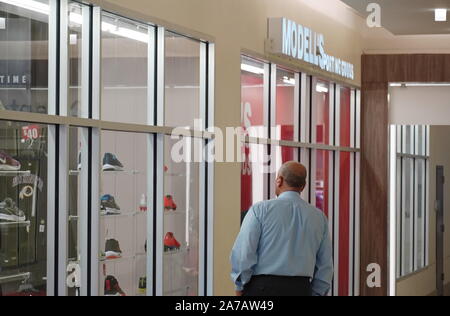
pixel 440 15
pixel 2 23
pixel 29 5
pixel 252 69
pixel 289 81
pixel 321 88
pixel 397 85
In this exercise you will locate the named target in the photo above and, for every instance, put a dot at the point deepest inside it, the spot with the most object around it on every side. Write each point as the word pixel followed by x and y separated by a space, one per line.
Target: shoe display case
pixel 181 222
pixel 93 203
pixel 23 209
pixel 123 214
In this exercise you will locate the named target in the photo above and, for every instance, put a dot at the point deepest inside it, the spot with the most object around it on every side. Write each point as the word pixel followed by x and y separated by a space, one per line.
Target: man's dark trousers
pixel 271 285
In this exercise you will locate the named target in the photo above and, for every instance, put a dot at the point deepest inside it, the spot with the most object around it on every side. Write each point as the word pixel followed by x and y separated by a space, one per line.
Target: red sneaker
pixel 169 204
pixel 7 163
pixel 170 243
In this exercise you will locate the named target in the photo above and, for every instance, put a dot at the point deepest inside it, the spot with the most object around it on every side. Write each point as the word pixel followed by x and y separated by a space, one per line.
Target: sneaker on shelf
pixel 111 163
pixel 112 287
pixel 169 204
pixel 112 249
pixel 7 163
pixel 142 289
pixel 108 205
pixel 79 162
pixel 9 212
pixel 170 243
pixel 143 203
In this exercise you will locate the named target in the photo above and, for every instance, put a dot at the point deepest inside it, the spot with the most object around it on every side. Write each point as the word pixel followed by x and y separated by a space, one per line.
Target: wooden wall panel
pixel 377 72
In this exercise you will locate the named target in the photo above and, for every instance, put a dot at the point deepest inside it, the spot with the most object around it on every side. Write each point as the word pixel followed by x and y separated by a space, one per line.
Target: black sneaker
pixel 111 163
pixel 112 249
pixel 112 287
pixel 10 212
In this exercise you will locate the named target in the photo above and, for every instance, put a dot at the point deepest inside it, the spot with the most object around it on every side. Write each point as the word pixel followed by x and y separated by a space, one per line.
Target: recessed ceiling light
pixel 440 15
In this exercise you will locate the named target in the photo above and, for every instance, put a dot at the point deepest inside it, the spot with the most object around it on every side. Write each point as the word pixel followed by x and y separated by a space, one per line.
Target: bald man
pixel 284 247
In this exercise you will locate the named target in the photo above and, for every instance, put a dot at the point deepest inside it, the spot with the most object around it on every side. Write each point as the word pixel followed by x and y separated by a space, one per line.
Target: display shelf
pixel 132 214
pixel 74 172
pixel 73 218
pixel 13 173
pixel 173 213
pixel 180 175
pixel 115 172
pixel 14 224
pixel 15 278
pixel 170 253
pixel 116 260
pixel 111 172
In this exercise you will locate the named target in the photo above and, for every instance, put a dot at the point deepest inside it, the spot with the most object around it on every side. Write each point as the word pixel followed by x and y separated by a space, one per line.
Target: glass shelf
pixel 181 175
pixel 115 172
pixel 176 252
pixel 15 278
pixel 14 173
pixel 173 213
pixel 132 214
pixel 15 224
pixel 110 172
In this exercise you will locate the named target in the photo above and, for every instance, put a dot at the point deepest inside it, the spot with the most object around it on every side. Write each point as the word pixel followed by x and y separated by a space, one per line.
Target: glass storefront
pixel 84 202
pixel 316 123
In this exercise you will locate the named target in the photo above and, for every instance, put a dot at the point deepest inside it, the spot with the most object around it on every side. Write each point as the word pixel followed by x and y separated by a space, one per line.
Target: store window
pixel 125 47
pixel 123 214
pixel 254 169
pixel 182 180
pixel 76 14
pixel 253 103
pixel 322 112
pixel 315 122
pixel 182 81
pixel 412 207
pixel 286 116
pixel 23 209
pixel 322 187
pixel 24 39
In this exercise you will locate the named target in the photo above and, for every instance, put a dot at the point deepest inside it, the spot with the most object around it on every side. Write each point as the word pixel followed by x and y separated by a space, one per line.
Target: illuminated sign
pixel 290 39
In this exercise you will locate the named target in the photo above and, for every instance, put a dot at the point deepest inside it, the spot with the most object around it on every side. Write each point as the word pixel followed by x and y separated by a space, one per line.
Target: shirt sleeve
pixel 323 273
pixel 244 255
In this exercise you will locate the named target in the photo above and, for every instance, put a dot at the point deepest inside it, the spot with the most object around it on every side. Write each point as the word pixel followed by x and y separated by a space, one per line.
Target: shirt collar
pixel 289 195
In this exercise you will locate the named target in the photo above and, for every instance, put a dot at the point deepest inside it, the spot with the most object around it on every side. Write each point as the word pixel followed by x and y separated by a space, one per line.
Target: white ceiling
pixel 407 17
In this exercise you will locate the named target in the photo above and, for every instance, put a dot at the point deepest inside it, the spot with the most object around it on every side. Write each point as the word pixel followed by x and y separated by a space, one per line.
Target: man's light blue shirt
pixel 284 237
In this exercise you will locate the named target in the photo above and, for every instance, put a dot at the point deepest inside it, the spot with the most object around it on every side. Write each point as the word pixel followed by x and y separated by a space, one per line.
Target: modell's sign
pixel 297 41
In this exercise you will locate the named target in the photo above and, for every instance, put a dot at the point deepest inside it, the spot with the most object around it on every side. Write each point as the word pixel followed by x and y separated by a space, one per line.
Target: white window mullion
pixel 351 226
pixel 333 208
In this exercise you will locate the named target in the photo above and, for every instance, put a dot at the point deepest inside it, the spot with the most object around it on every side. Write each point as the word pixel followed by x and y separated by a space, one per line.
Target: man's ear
pixel 279 181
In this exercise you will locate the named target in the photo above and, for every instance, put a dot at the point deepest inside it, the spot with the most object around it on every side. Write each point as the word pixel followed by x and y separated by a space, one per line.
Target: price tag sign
pixel 31 132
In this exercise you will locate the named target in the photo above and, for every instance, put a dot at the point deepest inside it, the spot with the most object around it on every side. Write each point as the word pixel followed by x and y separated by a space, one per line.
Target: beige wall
pixel 424 282
pixel 238 26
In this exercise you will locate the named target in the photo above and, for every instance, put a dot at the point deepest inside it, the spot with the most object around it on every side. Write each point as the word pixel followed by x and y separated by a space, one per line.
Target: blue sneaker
pixel 108 205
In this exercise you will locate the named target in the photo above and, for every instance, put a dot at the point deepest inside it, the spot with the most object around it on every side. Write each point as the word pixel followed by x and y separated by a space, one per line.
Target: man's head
pixel 291 177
